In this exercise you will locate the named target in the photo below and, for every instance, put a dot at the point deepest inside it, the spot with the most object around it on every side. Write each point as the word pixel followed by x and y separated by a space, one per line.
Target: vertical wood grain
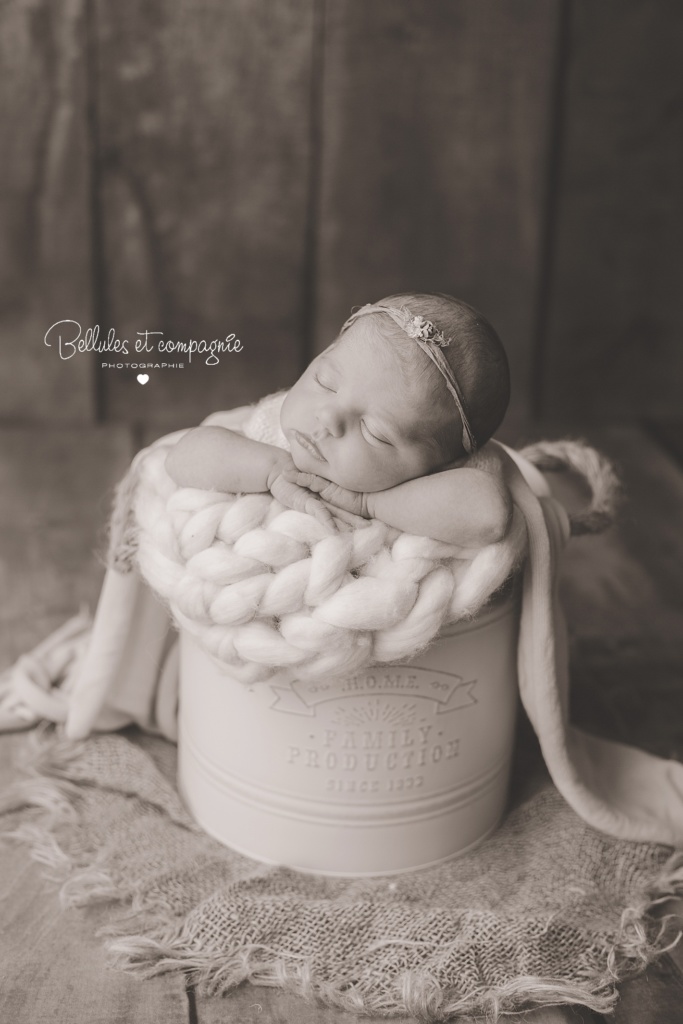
pixel 613 342
pixel 44 208
pixel 204 126
pixel 435 131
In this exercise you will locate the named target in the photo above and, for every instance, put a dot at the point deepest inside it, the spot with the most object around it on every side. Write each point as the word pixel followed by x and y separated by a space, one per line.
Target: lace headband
pixel 431 340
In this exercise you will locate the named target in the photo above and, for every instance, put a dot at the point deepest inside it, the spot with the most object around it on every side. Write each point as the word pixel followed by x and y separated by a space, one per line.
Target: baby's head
pixel 375 409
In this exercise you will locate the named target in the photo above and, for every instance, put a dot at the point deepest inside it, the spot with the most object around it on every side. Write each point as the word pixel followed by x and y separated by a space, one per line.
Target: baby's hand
pixel 283 486
pixel 350 506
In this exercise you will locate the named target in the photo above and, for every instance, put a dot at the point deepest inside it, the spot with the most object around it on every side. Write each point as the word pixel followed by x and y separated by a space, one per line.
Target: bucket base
pixel 355 847
pixel 395 768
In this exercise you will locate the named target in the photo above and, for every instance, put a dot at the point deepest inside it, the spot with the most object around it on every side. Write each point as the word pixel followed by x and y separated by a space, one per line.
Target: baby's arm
pixel 217 459
pixel 469 506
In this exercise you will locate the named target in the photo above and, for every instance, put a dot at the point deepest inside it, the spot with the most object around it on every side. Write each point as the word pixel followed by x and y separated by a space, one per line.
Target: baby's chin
pixel 305 463
pixel 365 482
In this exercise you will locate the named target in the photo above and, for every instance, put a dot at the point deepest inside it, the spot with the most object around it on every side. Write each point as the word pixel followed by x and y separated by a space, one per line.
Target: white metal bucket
pixel 393 768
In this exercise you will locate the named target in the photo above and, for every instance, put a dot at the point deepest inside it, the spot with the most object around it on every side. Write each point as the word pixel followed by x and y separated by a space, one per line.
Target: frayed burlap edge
pixel 147 940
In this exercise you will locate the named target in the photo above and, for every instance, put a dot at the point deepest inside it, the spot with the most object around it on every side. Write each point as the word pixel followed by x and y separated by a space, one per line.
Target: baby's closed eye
pixel 373 435
pixel 324 383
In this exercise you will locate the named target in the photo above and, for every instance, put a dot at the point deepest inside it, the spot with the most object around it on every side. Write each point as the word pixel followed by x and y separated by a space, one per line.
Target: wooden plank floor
pixel 624 596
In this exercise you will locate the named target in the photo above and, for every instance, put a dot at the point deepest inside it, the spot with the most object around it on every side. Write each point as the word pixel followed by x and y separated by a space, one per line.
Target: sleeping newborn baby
pixel 390 422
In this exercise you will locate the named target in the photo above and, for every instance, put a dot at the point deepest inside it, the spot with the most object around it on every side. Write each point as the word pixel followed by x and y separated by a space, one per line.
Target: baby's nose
pixel 331 420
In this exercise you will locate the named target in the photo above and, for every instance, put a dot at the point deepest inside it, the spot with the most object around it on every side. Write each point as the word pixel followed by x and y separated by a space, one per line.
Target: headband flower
pixel 420 327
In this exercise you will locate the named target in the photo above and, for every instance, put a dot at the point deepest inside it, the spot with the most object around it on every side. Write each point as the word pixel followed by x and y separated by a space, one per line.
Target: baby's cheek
pixel 360 473
pixel 371 475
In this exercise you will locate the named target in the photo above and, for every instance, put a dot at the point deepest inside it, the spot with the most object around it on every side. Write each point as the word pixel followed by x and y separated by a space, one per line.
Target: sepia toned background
pixel 258 168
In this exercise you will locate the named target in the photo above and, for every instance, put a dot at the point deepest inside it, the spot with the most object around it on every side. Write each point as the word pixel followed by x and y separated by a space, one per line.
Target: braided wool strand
pixel 265 588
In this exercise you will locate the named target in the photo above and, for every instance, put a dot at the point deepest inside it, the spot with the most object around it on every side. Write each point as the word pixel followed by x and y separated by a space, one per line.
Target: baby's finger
pixel 320 512
pixel 310 481
pixel 347 517
pixel 289 494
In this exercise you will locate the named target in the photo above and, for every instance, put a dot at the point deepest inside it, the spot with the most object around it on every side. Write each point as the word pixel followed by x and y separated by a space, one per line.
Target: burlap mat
pixel 546 911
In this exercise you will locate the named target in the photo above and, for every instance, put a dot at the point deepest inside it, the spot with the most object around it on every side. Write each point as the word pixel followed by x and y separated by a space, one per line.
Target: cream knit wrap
pixel 265 588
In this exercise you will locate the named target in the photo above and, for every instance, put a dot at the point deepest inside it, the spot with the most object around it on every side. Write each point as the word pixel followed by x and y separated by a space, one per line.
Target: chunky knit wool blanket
pixel 264 588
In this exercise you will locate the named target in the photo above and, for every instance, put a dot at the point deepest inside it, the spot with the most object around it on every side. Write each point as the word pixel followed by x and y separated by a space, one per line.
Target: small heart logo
pixel 143 378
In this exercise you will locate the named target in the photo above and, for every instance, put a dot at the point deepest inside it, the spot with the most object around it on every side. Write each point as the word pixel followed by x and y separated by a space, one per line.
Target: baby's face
pixel 349 417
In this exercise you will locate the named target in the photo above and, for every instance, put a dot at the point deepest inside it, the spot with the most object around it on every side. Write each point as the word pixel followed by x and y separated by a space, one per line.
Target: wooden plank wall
pixel 236 166
pixel 613 337
pixel 434 147
pixel 204 143
pixel 45 208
